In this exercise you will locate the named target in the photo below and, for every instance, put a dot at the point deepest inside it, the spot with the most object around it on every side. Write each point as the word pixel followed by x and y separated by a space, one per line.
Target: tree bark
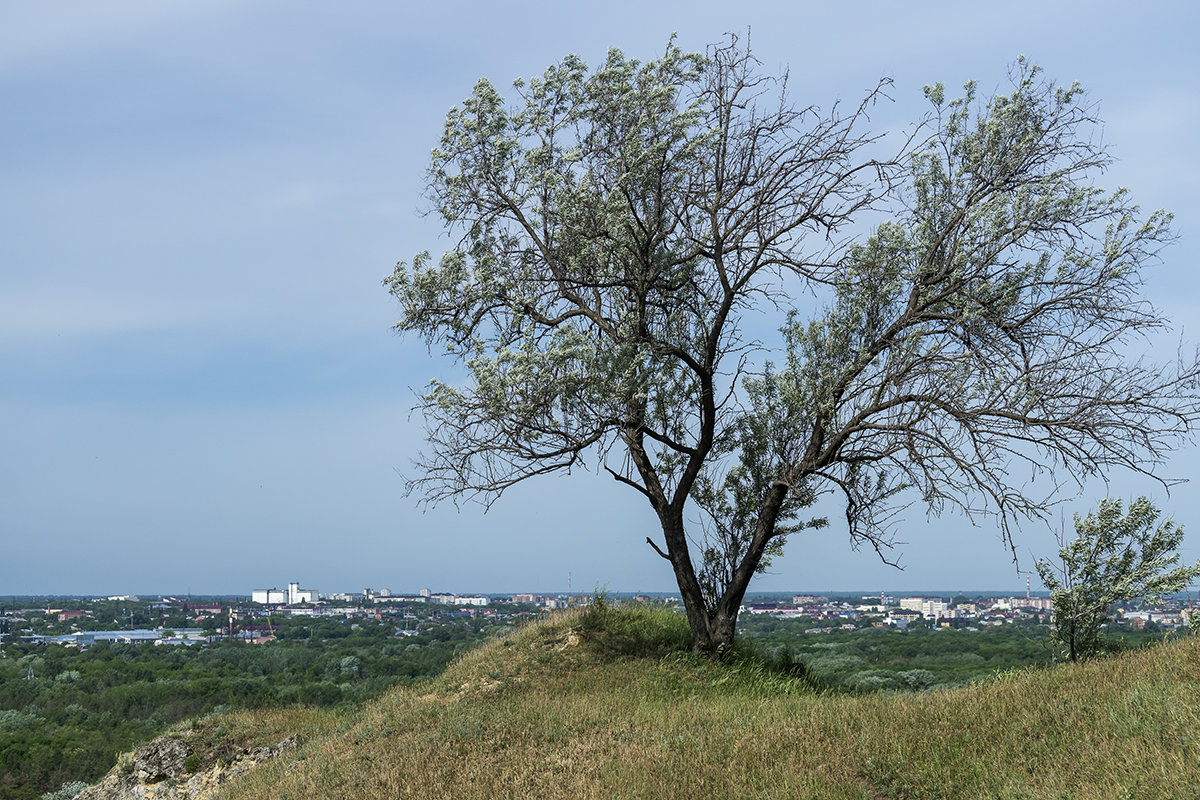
pixel 713 629
pixel 694 604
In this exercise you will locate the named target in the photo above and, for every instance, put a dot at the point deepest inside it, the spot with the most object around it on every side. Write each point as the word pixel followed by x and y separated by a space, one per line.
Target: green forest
pixel 919 657
pixel 65 713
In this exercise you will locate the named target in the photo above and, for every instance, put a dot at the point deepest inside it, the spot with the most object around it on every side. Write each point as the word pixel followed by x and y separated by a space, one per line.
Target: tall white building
pixel 936 609
pixel 298 595
pixel 926 606
pixel 269 597
pixel 277 597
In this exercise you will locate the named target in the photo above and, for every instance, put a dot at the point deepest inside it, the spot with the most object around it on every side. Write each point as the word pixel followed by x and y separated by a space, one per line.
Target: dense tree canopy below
pixel 615 229
pixel 83 708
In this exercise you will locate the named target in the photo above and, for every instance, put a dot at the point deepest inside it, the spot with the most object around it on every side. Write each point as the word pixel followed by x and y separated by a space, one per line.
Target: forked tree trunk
pixel 720 621
pixel 712 629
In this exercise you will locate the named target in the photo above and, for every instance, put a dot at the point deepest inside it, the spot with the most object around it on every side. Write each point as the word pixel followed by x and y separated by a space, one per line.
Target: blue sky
pixel 199 387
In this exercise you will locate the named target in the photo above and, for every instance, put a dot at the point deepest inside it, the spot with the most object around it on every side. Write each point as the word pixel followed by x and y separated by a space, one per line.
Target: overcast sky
pixel 199 387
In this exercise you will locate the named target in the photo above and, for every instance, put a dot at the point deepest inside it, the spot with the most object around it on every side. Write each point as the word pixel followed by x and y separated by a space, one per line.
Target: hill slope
pixel 606 705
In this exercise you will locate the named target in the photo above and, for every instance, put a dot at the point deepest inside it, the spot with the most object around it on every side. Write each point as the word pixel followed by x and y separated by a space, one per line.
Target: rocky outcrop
pixel 161 760
pixel 174 768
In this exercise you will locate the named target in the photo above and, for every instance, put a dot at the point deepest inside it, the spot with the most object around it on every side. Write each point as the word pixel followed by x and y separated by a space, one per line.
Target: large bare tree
pixel 614 230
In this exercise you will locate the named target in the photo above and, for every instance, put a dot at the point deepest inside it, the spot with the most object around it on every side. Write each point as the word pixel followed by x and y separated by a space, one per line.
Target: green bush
pixel 66 792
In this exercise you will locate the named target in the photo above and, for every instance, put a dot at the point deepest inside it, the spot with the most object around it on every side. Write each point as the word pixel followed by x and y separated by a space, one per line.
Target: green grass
pixel 607 703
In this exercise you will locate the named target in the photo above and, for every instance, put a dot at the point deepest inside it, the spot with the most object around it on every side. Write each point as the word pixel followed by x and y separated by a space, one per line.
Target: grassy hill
pixel 606 704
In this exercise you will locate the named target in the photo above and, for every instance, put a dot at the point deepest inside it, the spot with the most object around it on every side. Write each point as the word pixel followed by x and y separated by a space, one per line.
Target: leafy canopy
pixel 614 230
pixel 1115 556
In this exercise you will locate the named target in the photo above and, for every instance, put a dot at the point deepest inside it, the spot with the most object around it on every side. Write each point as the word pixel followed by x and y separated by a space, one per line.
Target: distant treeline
pixel 919 657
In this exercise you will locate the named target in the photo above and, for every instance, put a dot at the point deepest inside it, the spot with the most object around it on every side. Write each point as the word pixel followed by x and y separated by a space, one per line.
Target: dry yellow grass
pixel 573 709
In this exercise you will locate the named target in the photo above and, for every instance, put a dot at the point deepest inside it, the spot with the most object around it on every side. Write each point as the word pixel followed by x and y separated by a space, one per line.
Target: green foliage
pixel 66 792
pixel 914 658
pixel 632 630
pixel 732 503
pixel 87 706
pixel 1115 556
pixel 918 678
pixel 12 719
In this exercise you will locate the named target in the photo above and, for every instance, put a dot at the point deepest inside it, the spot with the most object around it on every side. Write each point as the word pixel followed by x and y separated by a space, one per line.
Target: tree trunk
pixel 694 605
pixel 722 626
pixel 722 620
pixel 713 629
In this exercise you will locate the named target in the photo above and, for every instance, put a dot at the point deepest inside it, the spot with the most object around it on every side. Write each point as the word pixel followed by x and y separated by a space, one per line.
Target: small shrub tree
pixel 918 679
pixel 1114 557
pixel 68 791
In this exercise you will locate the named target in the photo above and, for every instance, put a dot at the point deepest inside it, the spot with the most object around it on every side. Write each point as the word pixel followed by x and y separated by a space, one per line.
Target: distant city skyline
pixel 576 592
pixel 201 387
